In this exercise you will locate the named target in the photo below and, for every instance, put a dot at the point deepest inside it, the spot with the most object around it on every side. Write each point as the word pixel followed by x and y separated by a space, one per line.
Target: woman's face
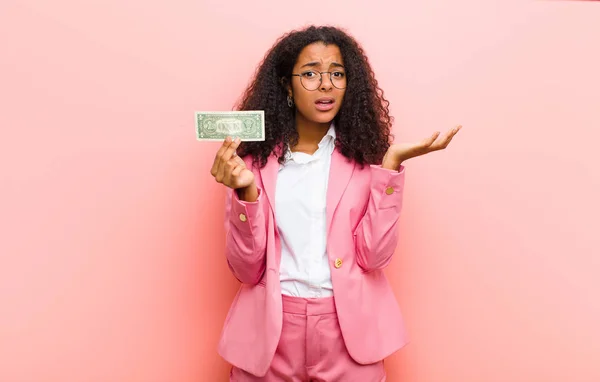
pixel 318 101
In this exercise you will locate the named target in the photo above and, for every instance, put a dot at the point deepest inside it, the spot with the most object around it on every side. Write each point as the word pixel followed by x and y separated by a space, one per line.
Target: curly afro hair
pixel 363 122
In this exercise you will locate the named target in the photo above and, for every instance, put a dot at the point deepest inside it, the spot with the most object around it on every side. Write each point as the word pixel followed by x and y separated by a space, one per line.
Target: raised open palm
pixel 399 152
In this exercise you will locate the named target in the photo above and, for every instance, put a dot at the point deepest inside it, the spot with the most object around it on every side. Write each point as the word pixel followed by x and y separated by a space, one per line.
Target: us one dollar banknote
pixel 248 125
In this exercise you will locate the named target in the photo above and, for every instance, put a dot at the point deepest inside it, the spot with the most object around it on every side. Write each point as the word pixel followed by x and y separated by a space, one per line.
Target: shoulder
pixel 248 159
pixel 254 162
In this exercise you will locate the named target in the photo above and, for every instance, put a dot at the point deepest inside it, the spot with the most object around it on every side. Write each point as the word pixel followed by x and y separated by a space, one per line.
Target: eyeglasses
pixel 311 80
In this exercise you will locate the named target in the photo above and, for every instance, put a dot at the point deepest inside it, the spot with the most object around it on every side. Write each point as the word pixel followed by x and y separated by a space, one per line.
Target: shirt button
pixel 338 263
pixel 389 191
pixel 243 217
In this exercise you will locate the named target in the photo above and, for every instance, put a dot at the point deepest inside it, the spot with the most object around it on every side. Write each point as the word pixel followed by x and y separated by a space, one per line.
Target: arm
pixel 246 238
pixel 376 236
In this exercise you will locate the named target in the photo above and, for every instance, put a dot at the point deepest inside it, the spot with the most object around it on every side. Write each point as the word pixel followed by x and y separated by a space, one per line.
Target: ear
pixel 287 86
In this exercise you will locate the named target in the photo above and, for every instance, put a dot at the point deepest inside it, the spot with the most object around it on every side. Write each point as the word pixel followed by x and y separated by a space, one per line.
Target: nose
pixel 326 83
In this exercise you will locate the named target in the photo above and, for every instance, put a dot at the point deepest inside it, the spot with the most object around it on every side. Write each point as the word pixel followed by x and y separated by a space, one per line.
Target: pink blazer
pixel 363 207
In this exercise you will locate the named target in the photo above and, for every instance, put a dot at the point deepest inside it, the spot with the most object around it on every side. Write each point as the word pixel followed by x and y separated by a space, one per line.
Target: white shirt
pixel 300 200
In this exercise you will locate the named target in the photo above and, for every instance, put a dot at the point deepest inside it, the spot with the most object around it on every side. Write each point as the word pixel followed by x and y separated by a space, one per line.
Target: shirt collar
pixel 301 158
pixel 330 136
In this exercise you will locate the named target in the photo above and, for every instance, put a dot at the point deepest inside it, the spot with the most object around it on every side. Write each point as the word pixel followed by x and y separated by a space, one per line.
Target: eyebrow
pixel 316 63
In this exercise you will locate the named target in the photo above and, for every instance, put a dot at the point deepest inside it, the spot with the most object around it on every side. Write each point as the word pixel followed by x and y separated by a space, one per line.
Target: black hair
pixel 363 122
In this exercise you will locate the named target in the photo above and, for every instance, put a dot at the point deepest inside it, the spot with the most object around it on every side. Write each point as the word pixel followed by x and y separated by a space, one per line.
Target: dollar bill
pixel 248 125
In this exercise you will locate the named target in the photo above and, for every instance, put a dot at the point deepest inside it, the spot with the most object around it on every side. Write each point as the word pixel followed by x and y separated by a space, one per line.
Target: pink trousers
pixel 311 348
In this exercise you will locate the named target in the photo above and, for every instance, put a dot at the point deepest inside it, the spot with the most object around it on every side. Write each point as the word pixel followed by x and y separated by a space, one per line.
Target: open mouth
pixel 324 104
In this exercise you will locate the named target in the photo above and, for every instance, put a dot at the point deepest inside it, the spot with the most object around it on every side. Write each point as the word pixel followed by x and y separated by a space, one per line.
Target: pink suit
pixel 363 207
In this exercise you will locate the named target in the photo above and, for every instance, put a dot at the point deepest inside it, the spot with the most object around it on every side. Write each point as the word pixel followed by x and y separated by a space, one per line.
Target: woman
pixel 311 217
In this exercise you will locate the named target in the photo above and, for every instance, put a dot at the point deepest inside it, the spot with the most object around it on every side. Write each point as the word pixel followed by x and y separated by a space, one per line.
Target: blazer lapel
pixel 269 179
pixel 339 176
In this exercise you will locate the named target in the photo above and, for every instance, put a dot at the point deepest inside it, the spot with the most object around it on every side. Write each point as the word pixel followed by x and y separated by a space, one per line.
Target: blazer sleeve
pixel 246 237
pixel 376 236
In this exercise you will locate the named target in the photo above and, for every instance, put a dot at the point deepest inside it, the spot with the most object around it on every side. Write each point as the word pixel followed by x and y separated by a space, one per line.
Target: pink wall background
pixel 111 249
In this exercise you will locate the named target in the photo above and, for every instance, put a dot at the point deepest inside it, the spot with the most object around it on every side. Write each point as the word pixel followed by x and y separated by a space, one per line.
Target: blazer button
pixel 243 217
pixel 389 191
pixel 338 263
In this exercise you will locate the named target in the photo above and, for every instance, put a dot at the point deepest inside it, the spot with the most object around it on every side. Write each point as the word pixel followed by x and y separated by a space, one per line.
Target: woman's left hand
pixel 398 153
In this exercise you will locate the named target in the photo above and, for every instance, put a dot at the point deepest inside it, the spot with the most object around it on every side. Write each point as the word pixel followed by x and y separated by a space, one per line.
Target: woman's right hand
pixel 230 170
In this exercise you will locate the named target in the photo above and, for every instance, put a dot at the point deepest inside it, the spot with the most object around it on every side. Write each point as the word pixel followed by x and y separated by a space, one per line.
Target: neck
pixel 309 134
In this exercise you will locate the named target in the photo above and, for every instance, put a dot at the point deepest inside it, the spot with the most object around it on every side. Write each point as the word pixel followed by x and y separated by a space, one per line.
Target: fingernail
pixel 228 139
pixel 237 139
